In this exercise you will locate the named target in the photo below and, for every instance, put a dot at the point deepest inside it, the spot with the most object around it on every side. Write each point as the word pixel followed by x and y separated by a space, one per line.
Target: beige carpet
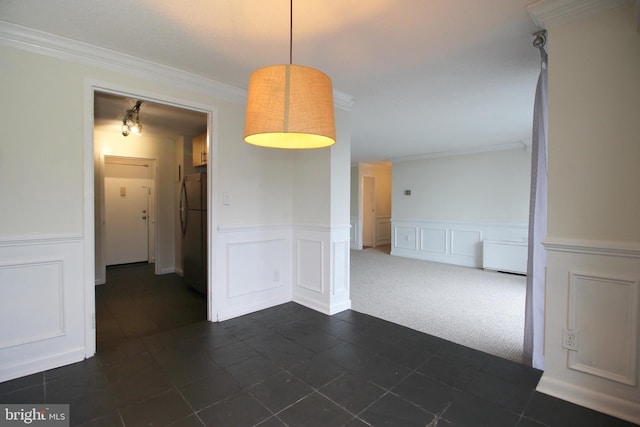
pixel 479 309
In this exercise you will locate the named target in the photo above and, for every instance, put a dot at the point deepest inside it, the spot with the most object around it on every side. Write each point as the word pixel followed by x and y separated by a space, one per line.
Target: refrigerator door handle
pixel 183 206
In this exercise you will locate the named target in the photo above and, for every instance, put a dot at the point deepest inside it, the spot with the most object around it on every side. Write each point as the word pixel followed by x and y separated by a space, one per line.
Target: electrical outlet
pixel 570 340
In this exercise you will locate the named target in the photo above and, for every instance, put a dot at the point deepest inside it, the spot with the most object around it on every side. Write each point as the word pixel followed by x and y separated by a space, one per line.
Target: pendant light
pixel 290 106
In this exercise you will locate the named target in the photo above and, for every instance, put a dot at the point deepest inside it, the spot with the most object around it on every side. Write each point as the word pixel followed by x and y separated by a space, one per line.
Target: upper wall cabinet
pixel 199 150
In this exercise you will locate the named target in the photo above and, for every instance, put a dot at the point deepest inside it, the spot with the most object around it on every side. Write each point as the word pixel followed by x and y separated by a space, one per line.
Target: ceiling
pixel 156 118
pixel 426 76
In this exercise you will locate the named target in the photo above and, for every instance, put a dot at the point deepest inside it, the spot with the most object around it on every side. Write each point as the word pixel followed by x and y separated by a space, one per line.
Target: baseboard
pixel 611 405
pixel 461 260
pixel 250 308
pixel 31 366
pixel 321 307
pixel 167 270
pixel 339 308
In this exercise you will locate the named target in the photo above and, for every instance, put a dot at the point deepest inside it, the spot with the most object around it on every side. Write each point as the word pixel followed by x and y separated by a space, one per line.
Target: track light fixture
pixel 131 124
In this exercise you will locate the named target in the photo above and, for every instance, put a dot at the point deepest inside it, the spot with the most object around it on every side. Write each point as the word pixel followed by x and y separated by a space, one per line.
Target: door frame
pixel 90 87
pixel 364 214
pixel 153 226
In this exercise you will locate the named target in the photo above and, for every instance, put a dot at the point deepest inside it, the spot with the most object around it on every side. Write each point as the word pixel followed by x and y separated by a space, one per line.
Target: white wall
pixel 457 202
pixel 593 243
pixel 477 188
pixel 46 176
pixel 594 128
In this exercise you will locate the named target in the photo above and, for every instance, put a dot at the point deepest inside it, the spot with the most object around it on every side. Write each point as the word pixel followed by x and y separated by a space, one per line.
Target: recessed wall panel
pixel 309 265
pixel 433 240
pixel 255 266
pixel 340 267
pixel 405 237
pixel 603 311
pixel 31 307
pixel 466 242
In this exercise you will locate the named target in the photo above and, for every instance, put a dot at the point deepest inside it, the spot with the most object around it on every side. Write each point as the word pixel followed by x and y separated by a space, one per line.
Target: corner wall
pixel 593 242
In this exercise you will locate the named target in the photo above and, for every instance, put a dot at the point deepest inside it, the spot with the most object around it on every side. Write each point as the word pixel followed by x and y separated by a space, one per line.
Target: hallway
pixel 135 302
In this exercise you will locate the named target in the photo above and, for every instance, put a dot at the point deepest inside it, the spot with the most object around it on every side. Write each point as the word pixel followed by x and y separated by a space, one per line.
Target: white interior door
pixel 368 211
pixel 126 213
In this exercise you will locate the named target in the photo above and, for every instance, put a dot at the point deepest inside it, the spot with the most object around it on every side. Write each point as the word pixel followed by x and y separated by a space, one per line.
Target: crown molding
pixel 520 145
pixel 39 42
pixel 552 13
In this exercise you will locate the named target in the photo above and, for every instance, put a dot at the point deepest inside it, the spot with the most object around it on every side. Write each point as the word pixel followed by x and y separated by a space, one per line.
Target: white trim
pixel 44 348
pixel 601 402
pixel 91 86
pixel 593 247
pixel 39 239
pixel 519 145
pixel 29 366
pixel 89 227
pixel 34 41
pixel 591 363
pixel 548 14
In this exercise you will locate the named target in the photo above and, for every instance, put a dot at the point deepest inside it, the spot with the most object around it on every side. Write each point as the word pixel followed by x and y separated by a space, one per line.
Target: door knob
pixel 144 217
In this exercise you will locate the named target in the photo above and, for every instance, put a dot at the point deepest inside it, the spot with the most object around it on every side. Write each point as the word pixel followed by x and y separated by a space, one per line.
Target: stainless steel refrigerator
pixel 193 221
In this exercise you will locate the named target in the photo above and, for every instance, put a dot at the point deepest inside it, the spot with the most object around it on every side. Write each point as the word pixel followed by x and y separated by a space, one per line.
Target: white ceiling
pixel 426 76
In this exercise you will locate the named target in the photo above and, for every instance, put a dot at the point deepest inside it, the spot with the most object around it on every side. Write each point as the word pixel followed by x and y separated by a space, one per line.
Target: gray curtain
pixel 537 262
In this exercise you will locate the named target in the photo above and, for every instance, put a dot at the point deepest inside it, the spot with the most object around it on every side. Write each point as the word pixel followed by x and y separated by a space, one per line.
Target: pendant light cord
pixel 290 32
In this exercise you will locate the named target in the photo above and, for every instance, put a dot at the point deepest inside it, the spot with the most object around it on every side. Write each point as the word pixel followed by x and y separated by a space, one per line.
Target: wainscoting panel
pixel 42 304
pixel 404 237
pixel 309 263
pixel 433 240
pixel 383 230
pixel 354 233
pixel 252 270
pixel 592 290
pixel 26 289
pixel 255 266
pixel 466 242
pixel 450 242
pixel 603 312
pixel 322 268
pixel 341 260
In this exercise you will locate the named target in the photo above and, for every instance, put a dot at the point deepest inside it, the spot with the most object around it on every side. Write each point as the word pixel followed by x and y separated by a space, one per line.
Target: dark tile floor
pixel 159 363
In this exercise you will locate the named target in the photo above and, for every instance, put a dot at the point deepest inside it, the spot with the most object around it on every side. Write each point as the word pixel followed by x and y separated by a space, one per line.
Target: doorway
pixel 161 150
pixel 129 210
pixel 368 211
